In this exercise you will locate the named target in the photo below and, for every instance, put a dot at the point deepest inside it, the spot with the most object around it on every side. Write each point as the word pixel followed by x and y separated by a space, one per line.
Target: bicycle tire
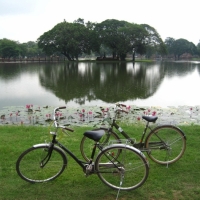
pixel 167 144
pixel 129 171
pixel 29 168
pixel 87 144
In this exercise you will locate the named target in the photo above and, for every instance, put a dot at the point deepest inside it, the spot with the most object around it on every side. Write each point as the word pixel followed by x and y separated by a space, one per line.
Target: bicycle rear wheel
pixel 166 143
pixel 30 168
pixel 126 171
pixel 87 144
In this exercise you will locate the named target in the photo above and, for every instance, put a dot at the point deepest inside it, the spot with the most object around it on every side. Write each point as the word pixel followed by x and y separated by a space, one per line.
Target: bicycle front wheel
pixel 166 144
pixel 87 144
pixel 126 171
pixel 37 165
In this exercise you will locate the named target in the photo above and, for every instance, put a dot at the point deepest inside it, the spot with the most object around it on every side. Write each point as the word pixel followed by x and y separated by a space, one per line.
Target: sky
pixel 27 20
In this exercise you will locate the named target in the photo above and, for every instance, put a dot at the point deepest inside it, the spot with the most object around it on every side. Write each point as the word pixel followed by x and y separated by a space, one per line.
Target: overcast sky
pixel 27 20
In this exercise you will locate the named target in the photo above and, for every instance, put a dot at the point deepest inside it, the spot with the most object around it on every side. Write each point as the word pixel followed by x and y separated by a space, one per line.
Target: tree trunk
pixel 68 56
pixel 122 57
pixel 133 56
pixel 114 54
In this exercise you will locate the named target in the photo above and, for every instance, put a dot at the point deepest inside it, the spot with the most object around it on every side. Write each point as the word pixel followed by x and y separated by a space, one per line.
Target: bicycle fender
pixel 41 145
pixel 128 147
pixel 166 126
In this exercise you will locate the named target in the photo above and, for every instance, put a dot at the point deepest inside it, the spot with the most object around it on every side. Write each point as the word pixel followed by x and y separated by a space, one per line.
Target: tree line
pixel 110 37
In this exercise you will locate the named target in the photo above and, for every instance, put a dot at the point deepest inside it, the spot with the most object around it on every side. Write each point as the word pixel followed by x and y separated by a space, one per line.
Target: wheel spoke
pixel 37 165
pixel 166 144
pixel 129 172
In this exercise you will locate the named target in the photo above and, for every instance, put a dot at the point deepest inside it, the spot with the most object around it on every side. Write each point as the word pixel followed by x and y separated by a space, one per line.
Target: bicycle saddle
pixel 150 118
pixel 94 135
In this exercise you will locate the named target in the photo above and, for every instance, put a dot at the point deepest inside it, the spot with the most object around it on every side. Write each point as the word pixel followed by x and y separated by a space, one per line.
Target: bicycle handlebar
pixel 68 129
pixel 61 107
pixel 120 106
pixel 55 120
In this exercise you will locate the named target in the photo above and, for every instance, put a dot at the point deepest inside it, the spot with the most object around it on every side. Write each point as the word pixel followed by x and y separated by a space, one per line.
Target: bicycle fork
pixel 45 160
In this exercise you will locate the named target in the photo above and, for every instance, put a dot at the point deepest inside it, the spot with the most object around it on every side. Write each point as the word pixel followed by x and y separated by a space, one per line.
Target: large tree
pixel 122 37
pixel 180 46
pixel 132 37
pixel 112 34
pixel 69 39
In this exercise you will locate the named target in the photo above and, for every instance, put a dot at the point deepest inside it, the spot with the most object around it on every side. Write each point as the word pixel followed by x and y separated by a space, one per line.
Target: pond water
pixel 102 84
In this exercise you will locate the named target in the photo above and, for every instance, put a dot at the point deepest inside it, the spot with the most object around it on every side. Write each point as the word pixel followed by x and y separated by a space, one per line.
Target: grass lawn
pixel 180 180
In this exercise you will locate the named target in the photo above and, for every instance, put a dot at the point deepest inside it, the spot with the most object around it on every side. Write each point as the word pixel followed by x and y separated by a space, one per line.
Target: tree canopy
pixel 69 39
pixel 179 47
pixel 111 36
pixel 13 49
pixel 121 37
pixel 9 48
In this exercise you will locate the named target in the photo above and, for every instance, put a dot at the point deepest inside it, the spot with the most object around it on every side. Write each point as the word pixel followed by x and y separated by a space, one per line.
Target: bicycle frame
pixel 81 163
pixel 141 145
pixel 138 145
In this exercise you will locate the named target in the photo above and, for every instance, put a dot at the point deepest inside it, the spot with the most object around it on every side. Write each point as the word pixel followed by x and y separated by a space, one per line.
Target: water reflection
pixel 179 69
pixel 86 82
pixel 107 82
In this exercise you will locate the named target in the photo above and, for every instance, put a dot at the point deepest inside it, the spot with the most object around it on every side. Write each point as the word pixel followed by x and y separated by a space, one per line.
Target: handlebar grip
pixel 68 129
pixel 62 107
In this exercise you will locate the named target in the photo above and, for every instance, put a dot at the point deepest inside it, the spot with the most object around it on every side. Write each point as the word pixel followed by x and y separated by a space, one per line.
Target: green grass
pixel 179 181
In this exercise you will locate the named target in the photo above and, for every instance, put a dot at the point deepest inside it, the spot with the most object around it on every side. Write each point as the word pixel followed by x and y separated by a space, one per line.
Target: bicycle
pixel 165 144
pixel 119 166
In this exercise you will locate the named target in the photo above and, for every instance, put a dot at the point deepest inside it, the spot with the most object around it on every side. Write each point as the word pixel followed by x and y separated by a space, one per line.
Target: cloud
pixel 14 7
pixel 26 20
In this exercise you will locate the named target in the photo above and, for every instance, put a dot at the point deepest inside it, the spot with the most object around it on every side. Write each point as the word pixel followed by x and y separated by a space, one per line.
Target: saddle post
pixel 93 152
pixel 144 132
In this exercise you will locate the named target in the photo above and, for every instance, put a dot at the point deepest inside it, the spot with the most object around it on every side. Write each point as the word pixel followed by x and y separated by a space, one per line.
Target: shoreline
pixel 92 115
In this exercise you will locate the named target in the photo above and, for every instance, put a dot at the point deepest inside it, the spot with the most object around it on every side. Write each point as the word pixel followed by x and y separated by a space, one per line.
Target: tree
pixel 192 48
pixel 182 46
pixel 122 37
pixel 153 41
pixel 22 49
pixel 9 48
pixel 169 44
pixel 69 39
pixel 33 50
pixel 108 34
pixel 132 36
pixel 198 48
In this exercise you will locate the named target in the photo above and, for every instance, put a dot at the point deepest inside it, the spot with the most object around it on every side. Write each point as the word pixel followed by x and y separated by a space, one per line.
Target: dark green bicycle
pixel 165 144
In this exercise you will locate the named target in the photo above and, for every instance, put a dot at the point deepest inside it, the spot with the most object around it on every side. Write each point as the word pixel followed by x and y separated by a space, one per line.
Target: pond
pixel 90 84
pixel 74 84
